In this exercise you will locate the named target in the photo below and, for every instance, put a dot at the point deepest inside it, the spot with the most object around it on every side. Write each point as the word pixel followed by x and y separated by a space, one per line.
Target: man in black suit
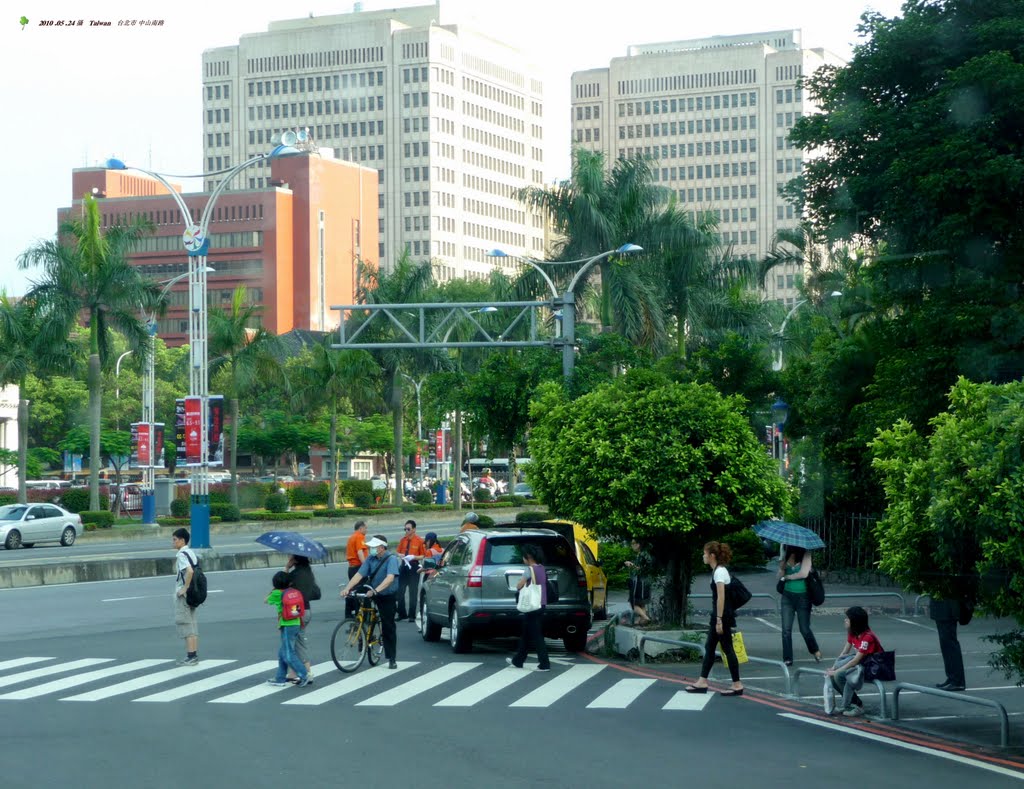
pixel 946 615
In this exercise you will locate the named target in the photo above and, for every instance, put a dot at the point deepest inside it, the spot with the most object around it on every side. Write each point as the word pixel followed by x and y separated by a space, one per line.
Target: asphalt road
pixel 128 718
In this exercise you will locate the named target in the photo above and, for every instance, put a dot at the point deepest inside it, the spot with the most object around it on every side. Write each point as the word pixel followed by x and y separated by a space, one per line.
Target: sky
pixel 76 96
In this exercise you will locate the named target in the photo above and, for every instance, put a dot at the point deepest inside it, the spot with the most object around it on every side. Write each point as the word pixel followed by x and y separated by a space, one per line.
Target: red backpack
pixel 293 606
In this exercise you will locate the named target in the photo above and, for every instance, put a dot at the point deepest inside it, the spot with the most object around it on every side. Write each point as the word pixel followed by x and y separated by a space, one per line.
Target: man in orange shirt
pixel 411 549
pixel 355 553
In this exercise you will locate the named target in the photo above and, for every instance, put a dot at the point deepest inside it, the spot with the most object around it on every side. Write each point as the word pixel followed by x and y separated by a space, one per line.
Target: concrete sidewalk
pixel 893 619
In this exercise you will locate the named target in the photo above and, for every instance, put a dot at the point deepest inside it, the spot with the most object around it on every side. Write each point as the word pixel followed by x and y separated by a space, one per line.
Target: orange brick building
pixel 295 244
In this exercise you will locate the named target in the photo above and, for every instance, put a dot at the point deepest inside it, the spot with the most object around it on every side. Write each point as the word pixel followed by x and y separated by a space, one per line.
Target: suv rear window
pixel 508 550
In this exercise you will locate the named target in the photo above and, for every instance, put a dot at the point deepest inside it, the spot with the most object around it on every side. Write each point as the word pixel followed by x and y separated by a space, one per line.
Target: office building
pixel 450 119
pixel 294 243
pixel 713 116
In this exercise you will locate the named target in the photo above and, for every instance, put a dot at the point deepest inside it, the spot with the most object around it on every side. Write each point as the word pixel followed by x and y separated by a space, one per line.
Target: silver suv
pixel 471 589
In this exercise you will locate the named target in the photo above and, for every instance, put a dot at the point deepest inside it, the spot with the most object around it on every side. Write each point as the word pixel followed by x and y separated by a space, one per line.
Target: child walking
pixel 287 657
pixel 848 672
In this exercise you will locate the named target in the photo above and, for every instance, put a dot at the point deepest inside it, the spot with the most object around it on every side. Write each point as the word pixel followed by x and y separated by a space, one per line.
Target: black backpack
pixel 736 593
pixel 815 588
pixel 195 595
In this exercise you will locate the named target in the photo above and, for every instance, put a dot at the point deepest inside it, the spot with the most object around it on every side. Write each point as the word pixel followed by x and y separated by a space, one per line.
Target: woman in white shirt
pixel 723 619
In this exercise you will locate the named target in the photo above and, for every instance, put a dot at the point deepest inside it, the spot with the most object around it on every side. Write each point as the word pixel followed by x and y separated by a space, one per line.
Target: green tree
pixel 672 464
pixel 334 378
pixel 115 446
pixel 248 354
pixel 29 341
pixel 954 525
pixel 86 272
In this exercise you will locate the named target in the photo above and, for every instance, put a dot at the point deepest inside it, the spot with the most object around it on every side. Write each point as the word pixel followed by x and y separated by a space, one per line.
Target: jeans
pixel 532 637
pixel 388 631
pixel 849 682
pixel 725 639
pixel 351 603
pixel 796 604
pixel 287 657
pixel 408 586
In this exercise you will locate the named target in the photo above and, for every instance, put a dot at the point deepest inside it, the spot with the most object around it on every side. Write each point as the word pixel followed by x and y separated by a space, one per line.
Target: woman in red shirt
pixel 848 671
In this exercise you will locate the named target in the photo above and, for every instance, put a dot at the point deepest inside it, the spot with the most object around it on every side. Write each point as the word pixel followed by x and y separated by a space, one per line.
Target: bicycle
pixel 355 639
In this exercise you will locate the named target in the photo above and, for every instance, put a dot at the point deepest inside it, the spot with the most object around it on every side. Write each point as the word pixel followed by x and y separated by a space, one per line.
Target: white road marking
pixel 772 625
pixel 192 688
pixel 58 685
pixel 24 661
pixel 350 684
pixel 688 702
pixel 422 684
pixel 171 674
pixel 621 694
pixel 995 768
pixel 45 671
pixel 149 596
pixel 265 689
pixel 551 691
pixel 488 686
pixel 915 624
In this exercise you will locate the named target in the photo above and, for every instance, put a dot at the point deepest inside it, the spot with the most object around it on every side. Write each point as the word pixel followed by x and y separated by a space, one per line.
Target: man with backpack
pixel 380 572
pixel 186 565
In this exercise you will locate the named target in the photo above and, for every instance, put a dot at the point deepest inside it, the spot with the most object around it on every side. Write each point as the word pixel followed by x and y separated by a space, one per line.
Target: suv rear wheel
pixel 457 636
pixel 575 642
pixel 429 630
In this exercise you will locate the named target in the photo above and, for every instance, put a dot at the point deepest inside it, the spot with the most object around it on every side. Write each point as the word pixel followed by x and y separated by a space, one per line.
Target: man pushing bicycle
pixel 381 573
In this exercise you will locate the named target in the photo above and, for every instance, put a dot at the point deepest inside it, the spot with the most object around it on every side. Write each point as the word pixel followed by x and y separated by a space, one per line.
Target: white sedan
pixel 23 525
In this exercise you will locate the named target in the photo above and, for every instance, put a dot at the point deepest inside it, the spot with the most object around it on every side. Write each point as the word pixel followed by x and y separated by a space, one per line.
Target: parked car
pixel 23 525
pixel 586 553
pixel 524 489
pixel 473 591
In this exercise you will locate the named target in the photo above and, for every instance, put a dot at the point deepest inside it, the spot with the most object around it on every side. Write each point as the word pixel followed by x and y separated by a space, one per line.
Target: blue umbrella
pixel 788 534
pixel 293 543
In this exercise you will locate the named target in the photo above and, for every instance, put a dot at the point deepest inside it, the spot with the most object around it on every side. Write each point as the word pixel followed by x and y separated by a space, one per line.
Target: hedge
pixel 102 518
pixel 181 508
pixel 77 499
pixel 532 516
pixel 228 513
pixel 308 494
pixel 165 521
pixel 264 515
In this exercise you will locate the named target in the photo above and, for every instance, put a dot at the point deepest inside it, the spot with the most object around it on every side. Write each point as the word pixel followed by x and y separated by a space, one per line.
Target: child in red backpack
pixel 290 609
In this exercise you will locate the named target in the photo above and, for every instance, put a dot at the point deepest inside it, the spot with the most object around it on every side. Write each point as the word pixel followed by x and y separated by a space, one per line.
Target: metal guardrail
pixel 858 595
pixel 775 600
pixel 800 670
pixel 699 648
pixel 1004 720
pixel 917 602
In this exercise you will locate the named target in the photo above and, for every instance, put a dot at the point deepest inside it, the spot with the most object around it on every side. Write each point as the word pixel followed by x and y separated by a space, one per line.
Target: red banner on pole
pixel 193 430
pixel 144 444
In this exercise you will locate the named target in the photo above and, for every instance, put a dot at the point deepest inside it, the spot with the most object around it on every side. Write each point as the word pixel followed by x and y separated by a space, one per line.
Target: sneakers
pixel 543 668
pixel 187 661
pixel 514 665
pixel 393 664
pixel 278 683
pixel 307 680
pixel 853 712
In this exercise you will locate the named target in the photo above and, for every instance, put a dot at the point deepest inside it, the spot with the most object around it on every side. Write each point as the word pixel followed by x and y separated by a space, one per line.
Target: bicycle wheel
pixel 376 645
pixel 348 646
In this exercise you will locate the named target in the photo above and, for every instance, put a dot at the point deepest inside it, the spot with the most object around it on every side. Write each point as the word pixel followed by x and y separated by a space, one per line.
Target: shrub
pixel 220 493
pixel 264 515
pixel 180 508
pixel 253 494
pixel 277 502
pixel 165 521
pixel 747 548
pixel 423 497
pixel 363 500
pixel 613 557
pixel 8 498
pixel 482 494
pixel 308 494
pixel 77 499
pixel 228 513
pixel 532 516
pixel 350 488
pixel 485 522
pixel 102 518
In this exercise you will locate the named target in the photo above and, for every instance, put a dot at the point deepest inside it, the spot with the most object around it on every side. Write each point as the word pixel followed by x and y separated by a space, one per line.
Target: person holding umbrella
pixel 793 571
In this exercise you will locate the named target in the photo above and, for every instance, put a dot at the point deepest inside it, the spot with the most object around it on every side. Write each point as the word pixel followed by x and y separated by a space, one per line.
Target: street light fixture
pixel 777 362
pixel 196 241
pixel 780 413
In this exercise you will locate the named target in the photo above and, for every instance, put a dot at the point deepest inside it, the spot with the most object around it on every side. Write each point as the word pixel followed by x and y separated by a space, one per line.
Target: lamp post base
pixel 200 517
pixel 148 508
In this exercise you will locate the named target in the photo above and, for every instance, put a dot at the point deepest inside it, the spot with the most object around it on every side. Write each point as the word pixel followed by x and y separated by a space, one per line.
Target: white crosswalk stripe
pixel 621 694
pixel 689 702
pixel 488 686
pixel 24 661
pixel 419 685
pixel 46 671
pixel 131 685
pixel 203 685
pixel 350 684
pixel 59 685
pixel 558 686
pixel 264 690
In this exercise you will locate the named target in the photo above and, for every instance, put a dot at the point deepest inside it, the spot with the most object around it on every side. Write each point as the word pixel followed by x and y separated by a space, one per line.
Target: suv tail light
pixel 476 572
pixel 581 577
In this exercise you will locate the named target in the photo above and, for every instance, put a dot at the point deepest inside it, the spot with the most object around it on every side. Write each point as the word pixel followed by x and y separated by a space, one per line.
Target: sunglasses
pixel 407 529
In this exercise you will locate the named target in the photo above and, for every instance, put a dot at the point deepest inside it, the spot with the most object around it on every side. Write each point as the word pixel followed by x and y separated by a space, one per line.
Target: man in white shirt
pixel 184 614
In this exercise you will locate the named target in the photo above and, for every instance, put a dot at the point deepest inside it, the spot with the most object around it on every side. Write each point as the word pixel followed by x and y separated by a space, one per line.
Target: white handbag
pixel 529 595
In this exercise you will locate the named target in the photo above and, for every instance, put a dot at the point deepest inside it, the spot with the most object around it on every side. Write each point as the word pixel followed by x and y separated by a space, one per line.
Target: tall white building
pixel 452 120
pixel 713 115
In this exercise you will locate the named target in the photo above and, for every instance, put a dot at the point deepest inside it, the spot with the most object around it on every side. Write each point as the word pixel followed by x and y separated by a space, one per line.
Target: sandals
pixel 696 689
pixel 731 692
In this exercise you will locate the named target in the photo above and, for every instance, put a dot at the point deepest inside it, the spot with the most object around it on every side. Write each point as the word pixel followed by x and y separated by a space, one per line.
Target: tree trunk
pixel 95 413
pixel 22 443
pixel 332 495
pixel 397 421
pixel 678 577
pixel 233 407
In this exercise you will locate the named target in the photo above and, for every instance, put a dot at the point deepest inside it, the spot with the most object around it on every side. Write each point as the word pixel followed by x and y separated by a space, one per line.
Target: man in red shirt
pixel 411 549
pixel 355 554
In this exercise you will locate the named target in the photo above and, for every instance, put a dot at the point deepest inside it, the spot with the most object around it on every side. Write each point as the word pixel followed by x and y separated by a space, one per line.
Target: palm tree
pixel 248 353
pixel 600 209
pixel 29 342
pixel 407 283
pixel 86 271
pixel 331 377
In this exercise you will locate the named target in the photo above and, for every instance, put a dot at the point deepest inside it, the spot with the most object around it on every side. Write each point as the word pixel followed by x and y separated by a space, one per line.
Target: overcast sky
pixel 75 96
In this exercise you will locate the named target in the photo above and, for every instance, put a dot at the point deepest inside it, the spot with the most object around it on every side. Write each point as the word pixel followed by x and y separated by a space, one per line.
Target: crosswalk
pixel 458 684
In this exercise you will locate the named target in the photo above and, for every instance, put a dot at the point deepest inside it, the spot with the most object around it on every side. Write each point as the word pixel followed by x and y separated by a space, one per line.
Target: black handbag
pixel 780 586
pixel 881 666
pixel 815 588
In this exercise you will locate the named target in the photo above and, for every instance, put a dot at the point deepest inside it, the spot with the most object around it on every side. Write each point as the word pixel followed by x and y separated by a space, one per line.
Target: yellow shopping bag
pixel 738 647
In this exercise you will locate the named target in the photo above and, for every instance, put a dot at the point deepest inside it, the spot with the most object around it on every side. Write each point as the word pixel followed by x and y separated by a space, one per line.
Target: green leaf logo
pixel 23 21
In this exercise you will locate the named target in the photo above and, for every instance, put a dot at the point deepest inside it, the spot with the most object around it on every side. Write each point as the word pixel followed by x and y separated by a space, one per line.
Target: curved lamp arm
pixel 500 253
pixel 623 250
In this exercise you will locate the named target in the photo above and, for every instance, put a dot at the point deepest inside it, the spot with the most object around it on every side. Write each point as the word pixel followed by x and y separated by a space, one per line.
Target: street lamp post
pixel 777 362
pixel 197 243
pixel 419 414
pixel 780 413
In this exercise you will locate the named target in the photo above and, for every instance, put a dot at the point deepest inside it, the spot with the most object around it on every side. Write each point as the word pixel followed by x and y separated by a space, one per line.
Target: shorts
pixel 185 618
pixel 301 643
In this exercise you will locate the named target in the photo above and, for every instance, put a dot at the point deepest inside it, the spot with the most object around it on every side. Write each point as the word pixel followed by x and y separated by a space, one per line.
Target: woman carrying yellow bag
pixel 738 647
pixel 717 555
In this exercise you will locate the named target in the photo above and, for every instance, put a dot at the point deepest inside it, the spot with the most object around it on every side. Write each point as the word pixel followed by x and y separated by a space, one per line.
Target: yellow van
pixel 586 552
